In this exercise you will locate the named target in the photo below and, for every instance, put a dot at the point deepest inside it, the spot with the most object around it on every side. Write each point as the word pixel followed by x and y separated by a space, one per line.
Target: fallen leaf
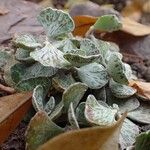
pixel 134 28
pixel 82 24
pixel 86 139
pixel 143 88
pixel 12 110
pixel 3 11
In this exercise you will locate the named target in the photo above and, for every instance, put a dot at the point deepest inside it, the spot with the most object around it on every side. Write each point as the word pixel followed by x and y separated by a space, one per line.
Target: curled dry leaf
pixel 102 138
pixel 12 110
pixel 143 88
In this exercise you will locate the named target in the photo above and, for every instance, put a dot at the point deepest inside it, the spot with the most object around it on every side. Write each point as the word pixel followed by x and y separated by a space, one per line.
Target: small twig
pixel 7 89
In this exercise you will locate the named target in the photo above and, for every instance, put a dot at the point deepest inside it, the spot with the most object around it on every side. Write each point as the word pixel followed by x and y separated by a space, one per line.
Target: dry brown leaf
pixel 83 23
pixel 134 28
pixel 143 88
pixel 132 11
pixel 95 138
pixel 12 110
pixel 3 10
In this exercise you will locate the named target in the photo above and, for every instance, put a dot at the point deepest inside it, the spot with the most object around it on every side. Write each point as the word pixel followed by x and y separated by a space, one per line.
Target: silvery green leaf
pixel 102 46
pixel 38 98
pixel 74 94
pixel 128 104
pixel 99 114
pixel 37 70
pixel 68 46
pixel 72 118
pixel 100 94
pixel 94 75
pixel 80 60
pixel 109 53
pixel 143 141
pixel 40 130
pixel 129 131
pixel 26 41
pixel 108 23
pixel 30 84
pixel 89 47
pixel 80 114
pixel 78 52
pixel 128 71
pixel 27 78
pixel 62 81
pixel 116 70
pixel 49 56
pixel 17 72
pixel 23 55
pixel 141 114
pixel 57 111
pixel 120 90
pixel 55 22
pixel 4 56
pixel 49 107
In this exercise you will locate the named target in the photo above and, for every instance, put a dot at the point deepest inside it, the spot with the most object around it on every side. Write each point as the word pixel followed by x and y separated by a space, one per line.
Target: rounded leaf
pixel 94 75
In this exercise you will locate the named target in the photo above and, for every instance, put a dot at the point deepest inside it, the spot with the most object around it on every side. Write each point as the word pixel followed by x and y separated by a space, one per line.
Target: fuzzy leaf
pixel 50 105
pixel 94 75
pixel 143 141
pixel 100 94
pixel 115 68
pixel 62 81
pixel 30 84
pixel 26 41
pixel 55 22
pixel 68 46
pixel 89 47
pixel 80 60
pixel 49 56
pixel 57 111
pixel 74 94
pixel 4 56
pixel 23 55
pixel 80 114
pixel 128 104
pixel 72 118
pixel 120 90
pixel 102 46
pixel 98 114
pixel 141 114
pixel 38 98
pixel 129 131
pixel 108 23
pixel 23 72
pixel 40 130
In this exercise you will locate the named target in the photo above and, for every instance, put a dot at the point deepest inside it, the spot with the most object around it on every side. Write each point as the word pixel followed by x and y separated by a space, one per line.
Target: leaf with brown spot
pixel 95 138
pixel 12 110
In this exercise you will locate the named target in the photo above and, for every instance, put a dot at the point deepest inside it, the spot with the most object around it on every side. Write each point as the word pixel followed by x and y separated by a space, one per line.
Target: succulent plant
pixel 75 81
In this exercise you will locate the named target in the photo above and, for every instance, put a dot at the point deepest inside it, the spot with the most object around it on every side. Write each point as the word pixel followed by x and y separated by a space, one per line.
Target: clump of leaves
pixel 76 82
